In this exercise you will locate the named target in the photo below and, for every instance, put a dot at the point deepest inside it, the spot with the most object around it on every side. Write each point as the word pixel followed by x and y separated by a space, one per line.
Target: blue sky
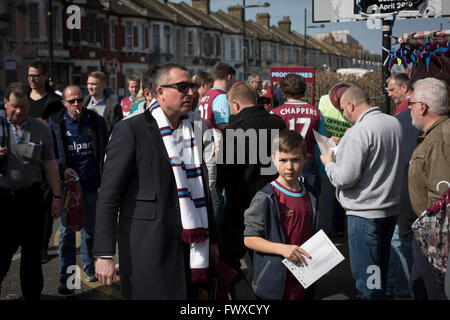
pixel 369 39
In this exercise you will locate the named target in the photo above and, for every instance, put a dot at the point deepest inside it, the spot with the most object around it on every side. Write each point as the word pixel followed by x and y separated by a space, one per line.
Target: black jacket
pixel 242 181
pixel 138 181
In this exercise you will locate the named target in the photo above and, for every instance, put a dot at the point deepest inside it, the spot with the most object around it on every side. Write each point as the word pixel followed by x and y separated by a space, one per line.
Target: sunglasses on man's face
pixel 182 87
pixel 410 103
pixel 72 101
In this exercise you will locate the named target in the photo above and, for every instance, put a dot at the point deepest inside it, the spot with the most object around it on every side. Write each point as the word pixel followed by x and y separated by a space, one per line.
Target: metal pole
pixel 387 32
pixel 304 43
pixel 244 43
pixel 50 42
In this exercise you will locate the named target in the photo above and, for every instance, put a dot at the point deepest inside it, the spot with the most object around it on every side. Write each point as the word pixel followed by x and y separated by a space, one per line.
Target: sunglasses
pixel 79 100
pixel 182 87
pixel 410 103
pixel 33 76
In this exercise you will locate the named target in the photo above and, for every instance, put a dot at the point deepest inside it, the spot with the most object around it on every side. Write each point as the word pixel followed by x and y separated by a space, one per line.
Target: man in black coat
pixel 139 181
pixel 246 167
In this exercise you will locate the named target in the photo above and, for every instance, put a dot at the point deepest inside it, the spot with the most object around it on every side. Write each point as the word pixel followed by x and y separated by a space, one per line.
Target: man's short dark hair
pixel 148 80
pixel 40 65
pixel 19 89
pixel 202 77
pixel 401 79
pixel 221 71
pixel 133 77
pixel 293 86
pixel 162 73
pixel 242 92
pixel 98 75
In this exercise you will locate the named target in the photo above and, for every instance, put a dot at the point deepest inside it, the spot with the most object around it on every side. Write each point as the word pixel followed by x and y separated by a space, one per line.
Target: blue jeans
pixel 67 249
pixel 369 243
pixel 400 264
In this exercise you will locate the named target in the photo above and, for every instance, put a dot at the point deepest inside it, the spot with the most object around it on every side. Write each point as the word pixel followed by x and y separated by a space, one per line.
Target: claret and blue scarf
pixel 186 165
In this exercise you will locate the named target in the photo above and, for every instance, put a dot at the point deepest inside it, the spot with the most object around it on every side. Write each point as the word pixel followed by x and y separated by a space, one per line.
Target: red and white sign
pixel 278 73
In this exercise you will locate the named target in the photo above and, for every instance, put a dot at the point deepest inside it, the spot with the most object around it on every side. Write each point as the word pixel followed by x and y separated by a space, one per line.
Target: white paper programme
pixel 324 257
pixel 325 144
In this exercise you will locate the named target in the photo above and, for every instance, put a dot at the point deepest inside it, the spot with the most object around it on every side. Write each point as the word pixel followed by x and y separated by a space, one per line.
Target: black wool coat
pixel 139 182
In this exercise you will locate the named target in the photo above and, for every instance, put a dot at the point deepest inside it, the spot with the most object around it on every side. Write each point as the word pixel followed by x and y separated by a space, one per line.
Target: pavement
pixel 338 284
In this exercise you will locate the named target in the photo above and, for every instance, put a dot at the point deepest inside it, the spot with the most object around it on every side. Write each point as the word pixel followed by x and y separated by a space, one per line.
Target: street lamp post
pixel 245 40
pixel 50 41
pixel 305 36
pixel 265 5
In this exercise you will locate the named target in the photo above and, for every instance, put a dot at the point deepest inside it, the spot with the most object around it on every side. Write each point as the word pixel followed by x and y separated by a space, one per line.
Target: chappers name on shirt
pixel 295 110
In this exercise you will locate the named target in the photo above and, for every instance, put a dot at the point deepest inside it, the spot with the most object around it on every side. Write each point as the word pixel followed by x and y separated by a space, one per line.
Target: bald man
pixel 80 137
pixel 367 172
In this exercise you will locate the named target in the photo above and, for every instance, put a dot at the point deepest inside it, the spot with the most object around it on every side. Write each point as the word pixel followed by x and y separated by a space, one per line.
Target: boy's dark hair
pixel 289 140
pixel 221 70
pixel 293 86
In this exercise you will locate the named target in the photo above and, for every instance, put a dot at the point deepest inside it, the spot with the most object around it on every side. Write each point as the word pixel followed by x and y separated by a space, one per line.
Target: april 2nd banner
pixel 385 6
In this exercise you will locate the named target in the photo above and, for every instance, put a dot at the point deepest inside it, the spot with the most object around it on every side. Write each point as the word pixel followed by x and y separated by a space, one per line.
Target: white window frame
pixel 140 36
pixel 156 44
pixel 232 49
pixel 34 25
pixel 167 34
pixel 129 35
pixel 112 34
pixel 190 42
pixel 113 80
pixel 94 30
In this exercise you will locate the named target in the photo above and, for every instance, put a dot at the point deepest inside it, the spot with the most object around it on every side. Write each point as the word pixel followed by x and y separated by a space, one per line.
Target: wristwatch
pixel 57 197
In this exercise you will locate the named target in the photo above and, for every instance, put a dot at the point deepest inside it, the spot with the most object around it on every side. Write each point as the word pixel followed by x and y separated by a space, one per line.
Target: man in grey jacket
pixel 367 173
pixel 100 102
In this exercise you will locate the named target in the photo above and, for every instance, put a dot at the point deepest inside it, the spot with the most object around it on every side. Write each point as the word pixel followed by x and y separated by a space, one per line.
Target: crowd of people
pixel 191 173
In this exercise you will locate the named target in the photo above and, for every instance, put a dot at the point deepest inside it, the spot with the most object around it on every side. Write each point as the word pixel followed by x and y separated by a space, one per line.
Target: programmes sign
pixel 278 73
pixel 385 6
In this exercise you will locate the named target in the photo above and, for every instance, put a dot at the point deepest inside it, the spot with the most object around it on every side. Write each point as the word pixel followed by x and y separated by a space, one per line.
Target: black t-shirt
pixel 45 106
pixel 37 107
